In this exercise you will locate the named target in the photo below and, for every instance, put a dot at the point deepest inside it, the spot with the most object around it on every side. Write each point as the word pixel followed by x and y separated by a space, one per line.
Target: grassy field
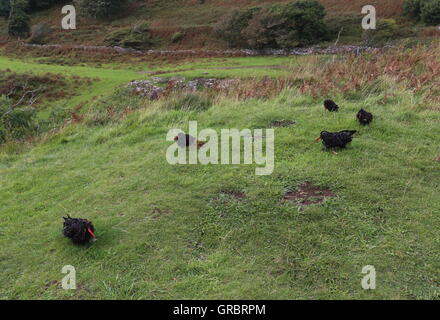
pixel 178 232
pixel 107 77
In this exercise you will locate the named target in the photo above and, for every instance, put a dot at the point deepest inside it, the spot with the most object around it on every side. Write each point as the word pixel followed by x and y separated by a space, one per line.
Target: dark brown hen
pixel 331 106
pixel 364 117
pixel 185 140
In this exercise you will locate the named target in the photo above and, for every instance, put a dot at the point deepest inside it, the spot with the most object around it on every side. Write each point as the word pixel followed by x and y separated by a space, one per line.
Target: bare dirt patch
pixel 437 159
pixel 308 194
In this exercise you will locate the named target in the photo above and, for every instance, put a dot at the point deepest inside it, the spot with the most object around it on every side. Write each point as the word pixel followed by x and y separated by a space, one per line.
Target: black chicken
pixel 336 139
pixel 331 106
pixel 80 231
pixel 364 117
pixel 185 140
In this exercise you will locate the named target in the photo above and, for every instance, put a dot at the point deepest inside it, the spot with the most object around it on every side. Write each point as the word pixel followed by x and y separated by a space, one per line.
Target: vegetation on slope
pixel 220 231
pixel 189 24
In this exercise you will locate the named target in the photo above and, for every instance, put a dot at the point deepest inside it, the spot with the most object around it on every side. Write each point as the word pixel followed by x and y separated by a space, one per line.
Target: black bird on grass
pixel 331 106
pixel 364 117
pixel 339 139
pixel 80 231
pixel 185 140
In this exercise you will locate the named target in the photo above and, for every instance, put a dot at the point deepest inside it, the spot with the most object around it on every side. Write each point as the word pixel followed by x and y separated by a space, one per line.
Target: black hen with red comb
pixel 336 139
pixel 364 117
pixel 80 231
pixel 331 106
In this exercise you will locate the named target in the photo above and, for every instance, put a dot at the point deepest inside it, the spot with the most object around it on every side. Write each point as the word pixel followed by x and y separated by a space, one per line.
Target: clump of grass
pixel 113 107
pixel 15 122
pixel 417 69
pixel 189 102
pixel 355 77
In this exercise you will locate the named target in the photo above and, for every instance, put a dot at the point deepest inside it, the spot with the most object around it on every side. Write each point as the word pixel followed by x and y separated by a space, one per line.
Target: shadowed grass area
pixel 171 232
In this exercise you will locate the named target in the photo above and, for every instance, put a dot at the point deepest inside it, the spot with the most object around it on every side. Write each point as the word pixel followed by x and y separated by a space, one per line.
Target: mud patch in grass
pixel 308 194
pixel 238 195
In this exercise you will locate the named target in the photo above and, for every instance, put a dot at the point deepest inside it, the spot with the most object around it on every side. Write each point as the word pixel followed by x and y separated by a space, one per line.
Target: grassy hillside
pixel 219 231
pixel 169 231
pixel 96 149
pixel 195 20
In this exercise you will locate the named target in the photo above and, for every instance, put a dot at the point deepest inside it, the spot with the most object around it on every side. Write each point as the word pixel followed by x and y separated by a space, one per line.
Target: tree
pixel 230 26
pixel 308 21
pixel 412 8
pixel 5 8
pixel 426 10
pixel 100 9
pixel 430 12
pixel 35 5
pixel 278 26
pixel 15 122
pixel 137 37
pixel 19 21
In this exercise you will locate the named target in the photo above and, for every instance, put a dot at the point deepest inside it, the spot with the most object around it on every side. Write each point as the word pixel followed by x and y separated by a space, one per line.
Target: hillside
pixel 86 131
pixel 195 21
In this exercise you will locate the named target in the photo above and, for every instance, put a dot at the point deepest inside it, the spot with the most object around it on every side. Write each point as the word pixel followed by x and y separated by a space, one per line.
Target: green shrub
pixel 412 8
pixel 116 37
pixel 345 25
pixel 430 12
pixel 15 123
pixel 426 10
pixel 28 6
pixel 177 37
pixel 137 37
pixel 5 8
pixel 3 136
pixel 110 108
pixel 100 9
pixel 18 23
pixel 386 30
pixel 263 29
pixel 308 20
pixel 279 26
pixel 35 5
pixel 230 26
pixel 39 33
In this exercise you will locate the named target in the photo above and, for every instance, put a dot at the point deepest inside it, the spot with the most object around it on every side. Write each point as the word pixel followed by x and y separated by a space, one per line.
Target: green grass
pixel 110 76
pixel 107 79
pixel 237 67
pixel 167 232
